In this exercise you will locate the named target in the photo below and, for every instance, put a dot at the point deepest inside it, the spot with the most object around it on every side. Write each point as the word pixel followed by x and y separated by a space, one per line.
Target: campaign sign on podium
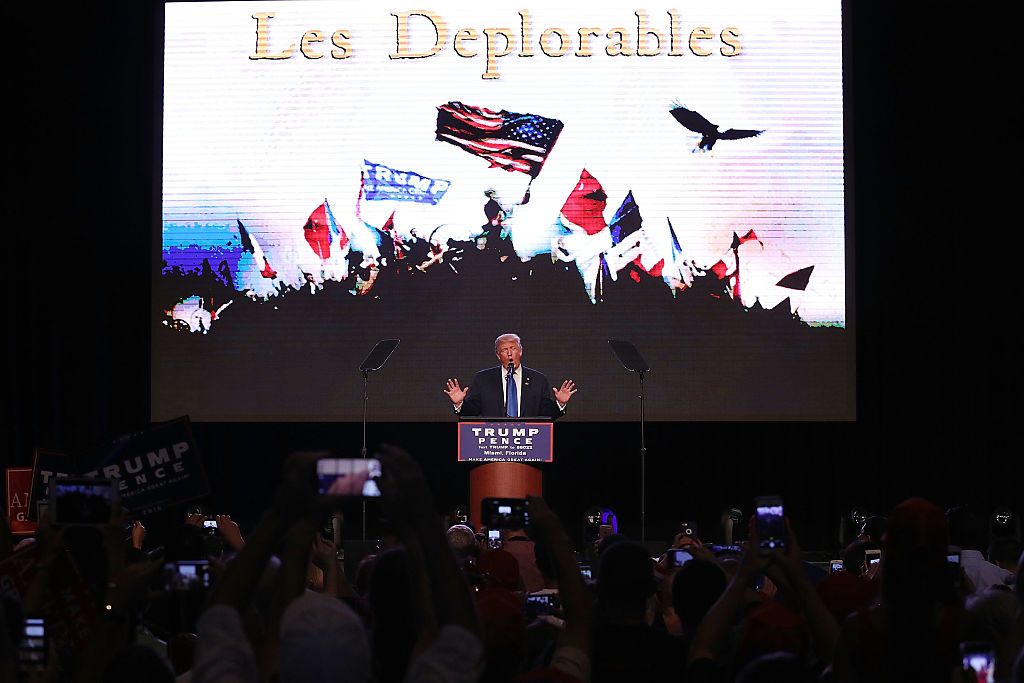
pixel 515 439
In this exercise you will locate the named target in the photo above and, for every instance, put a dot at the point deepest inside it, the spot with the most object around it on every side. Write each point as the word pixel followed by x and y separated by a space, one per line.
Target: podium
pixel 501 480
pixel 504 446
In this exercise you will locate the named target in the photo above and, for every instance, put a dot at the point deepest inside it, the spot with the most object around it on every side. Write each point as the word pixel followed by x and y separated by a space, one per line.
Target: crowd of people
pixel 921 595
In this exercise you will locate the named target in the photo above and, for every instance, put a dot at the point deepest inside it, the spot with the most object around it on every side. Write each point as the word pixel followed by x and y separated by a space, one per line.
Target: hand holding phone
pixel 543 604
pixel 677 557
pixel 187 575
pixel 771 523
pixel 979 658
pixel 82 501
pixel 872 558
pixel 34 645
pixel 505 513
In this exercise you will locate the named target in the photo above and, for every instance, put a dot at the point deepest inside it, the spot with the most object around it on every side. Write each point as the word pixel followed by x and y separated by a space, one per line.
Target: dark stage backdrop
pixel 934 299
pixel 338 173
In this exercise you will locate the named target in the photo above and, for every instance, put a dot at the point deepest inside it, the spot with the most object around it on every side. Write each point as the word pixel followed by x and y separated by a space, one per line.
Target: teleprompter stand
pixel 375 361
pixel 634 362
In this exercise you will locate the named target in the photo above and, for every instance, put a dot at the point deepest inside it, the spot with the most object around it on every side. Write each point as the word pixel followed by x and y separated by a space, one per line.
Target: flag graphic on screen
pixel 321 230
pixel 515 142
pixel 631 243
pixel 251 245
pixel 380 182
pixel 583 233
pixel 750 236
pixel 678 273
pixel 797 279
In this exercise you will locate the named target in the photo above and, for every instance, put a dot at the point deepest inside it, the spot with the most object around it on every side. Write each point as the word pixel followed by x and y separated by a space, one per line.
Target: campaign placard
pixel 19 490
pixel 505 441
pixel 156 469
pixel 46 465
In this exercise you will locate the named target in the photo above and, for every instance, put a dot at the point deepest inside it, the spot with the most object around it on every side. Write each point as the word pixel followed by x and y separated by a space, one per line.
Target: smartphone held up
pixel 771 523
pixel 979 658
pixel 677 557
pixel 505 513
pixel 33 645
pixel 82 501
pixel 348 477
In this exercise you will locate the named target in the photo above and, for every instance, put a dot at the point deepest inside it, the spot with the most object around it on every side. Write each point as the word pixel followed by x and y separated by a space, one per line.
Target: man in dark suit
pixel 510 389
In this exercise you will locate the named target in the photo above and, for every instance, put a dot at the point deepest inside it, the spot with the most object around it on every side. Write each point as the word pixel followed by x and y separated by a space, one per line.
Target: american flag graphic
pixel 515 142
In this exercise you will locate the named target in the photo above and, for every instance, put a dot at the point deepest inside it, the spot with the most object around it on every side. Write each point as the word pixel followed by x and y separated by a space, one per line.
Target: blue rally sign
pixel 505 442
pixel 155 469
pixel 383 182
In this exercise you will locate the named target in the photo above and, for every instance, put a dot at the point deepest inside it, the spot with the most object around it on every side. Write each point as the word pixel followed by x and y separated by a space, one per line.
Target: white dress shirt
pixel 981 572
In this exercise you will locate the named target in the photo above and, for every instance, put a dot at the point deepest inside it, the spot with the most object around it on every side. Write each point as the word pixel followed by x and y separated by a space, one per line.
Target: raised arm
pixel 455 392
pixel 714 628
pixel 823 626
pixel 410 503
pixel 577 604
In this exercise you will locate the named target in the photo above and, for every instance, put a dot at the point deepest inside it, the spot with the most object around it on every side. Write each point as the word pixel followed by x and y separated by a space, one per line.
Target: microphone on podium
pixel 511 367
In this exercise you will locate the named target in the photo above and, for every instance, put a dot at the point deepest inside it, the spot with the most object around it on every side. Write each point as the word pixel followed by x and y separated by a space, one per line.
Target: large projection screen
pixel 337 173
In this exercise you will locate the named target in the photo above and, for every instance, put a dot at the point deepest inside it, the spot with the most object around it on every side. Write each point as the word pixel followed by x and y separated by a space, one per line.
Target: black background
pixel 935 292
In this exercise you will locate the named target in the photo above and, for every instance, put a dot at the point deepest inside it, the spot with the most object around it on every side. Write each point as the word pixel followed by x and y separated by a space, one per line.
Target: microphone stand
pixel 375 361
pixel 634 362
pixel 643 466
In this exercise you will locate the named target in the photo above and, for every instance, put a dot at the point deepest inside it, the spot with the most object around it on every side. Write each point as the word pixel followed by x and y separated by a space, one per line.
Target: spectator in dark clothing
pixel 393 633
pixel 914 634
pixel 854 559
pixel 626 647
pixel 873 529
pixel 777 667
pixel 695 588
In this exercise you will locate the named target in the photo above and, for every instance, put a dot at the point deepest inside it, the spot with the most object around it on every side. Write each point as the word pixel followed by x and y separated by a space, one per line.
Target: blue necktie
pixel 512 398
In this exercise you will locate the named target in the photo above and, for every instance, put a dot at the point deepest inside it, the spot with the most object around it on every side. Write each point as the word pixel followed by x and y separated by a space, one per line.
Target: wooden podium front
pixel 501 480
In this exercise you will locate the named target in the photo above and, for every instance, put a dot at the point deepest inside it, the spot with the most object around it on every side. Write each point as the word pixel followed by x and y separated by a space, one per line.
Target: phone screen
pixel 348 477
pixel 546 603
pixel 586 572
pixel 771 523
pixel 980 660
pixel 81 501
pixel 494 538
pixel 726 550
pixel 209 524
pixel 32 649
pixel 677 557
pixel 187 575
pixel 836 566
pixel 505 513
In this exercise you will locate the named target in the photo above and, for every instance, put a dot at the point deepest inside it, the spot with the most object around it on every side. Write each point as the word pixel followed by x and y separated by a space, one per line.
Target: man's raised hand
pixel 565 392
pixel 455 392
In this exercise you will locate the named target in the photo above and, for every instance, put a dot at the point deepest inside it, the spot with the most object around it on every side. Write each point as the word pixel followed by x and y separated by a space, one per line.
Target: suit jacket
pixel 487 399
